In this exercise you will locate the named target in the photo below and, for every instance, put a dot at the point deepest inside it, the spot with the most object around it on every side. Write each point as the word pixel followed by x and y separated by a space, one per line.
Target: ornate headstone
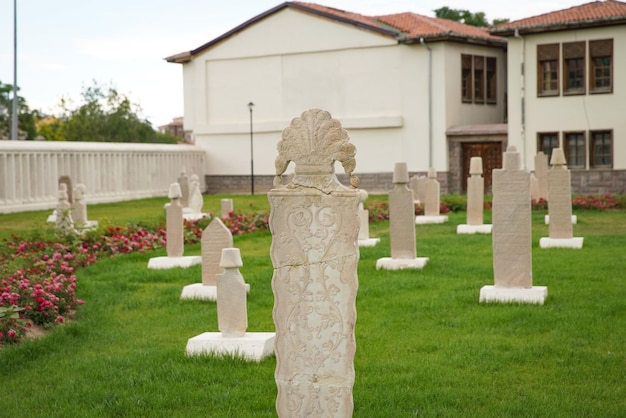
pixel 314 223
pixel 401 225
pixel 195 197
pixel 64 221
pixel 67 181
pixel 174 223
pixel 512 236
pixel 541 174
pixel 475 200
pixel 79 208
pixel 232 312
pixel 183 182
pixel 560 205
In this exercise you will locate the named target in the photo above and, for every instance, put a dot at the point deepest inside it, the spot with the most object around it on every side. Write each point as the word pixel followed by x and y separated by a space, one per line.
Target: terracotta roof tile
pixel 407 25
pixel 589 14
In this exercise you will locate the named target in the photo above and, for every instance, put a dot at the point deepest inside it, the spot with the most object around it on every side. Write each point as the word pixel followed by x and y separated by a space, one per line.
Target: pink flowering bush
pixel 239 223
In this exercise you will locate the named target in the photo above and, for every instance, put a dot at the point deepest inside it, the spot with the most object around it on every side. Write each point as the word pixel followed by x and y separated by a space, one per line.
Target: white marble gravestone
pixel 65 183
pixel 232 318
pixel 64 221
pixel 475 201
pixel 418 185
pixel 512 236
pixel 79 209
pixel 560 206
pixel 226 207
pixel 541 176
pixel 364 229
pixel 175 240
pixel 432 202
pixel 401 225
pixel 215 238
pixel 183 182
pixel 314 223
pixel 194 211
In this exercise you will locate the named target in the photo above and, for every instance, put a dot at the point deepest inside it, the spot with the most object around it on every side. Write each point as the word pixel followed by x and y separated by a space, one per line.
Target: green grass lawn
pixel 425 346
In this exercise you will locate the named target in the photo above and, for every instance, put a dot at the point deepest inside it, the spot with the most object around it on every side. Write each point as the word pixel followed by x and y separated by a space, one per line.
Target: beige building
pixel 397 83
pixel 408 88
pixel 572 91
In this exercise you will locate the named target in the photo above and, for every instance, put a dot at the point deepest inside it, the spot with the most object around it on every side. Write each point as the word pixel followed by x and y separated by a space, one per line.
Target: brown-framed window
pixel 601 66
pixel 548 70
pixel 466 79
pixel 601 149
pixel 574 68
pixel 574 148
pixel 479 79
pixel 546 142
pixel 492 80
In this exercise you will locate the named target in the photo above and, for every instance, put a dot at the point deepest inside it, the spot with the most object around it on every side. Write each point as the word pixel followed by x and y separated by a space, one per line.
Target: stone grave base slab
pixel 53 217
pixel 252 346
pixel 199 291
pixel 422 219
pixel 546 219
pixel 171 262
pixel 575 243
pixel 474 229
pixel 370 242
pixel 388 263
pixel 194 216
pixel 87 225
pixel 535 294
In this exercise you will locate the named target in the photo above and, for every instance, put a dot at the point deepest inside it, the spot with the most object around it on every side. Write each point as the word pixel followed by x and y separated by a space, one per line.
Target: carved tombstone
pixel 195 197
pixel 314 223
pixel 174 223
pixel 401 215
pixel 559 197
pixel 79 208
pixel 183 182
pixel 431 203
pixel 232 312
pixel 215 238
pixel 512 235
pixel 64 221
pixel 226 207
pixel 67 181
pixel 418 185
pixel 541 174
pixel 475 192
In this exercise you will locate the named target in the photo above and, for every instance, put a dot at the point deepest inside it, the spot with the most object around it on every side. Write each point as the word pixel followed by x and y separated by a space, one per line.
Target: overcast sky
pixel 65 44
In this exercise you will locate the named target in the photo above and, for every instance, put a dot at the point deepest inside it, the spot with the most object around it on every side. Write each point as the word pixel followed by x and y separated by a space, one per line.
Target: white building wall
pixel 566 113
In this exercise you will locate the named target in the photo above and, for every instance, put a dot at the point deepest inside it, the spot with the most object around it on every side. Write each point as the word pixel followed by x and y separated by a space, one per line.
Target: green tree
pixel 467 17
pixel 25 117
pixel 105 116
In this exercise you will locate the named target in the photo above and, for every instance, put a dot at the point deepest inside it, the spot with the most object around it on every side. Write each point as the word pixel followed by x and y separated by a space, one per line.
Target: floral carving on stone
pixel 314 222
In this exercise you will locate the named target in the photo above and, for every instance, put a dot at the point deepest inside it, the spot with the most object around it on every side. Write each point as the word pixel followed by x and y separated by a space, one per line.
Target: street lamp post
pixel 14 115
pixel 250 106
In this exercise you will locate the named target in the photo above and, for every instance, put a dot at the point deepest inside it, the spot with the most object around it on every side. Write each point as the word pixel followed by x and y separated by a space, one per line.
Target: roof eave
pixel 244 25
pixel 534 29
pixel 455 37
pixel 181 58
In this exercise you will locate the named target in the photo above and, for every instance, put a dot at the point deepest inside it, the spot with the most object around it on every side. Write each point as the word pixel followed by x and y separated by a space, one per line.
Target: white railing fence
pixel 111 172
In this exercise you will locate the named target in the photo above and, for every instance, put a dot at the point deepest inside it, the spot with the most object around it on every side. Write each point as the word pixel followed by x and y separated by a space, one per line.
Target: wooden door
pixel 491 153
